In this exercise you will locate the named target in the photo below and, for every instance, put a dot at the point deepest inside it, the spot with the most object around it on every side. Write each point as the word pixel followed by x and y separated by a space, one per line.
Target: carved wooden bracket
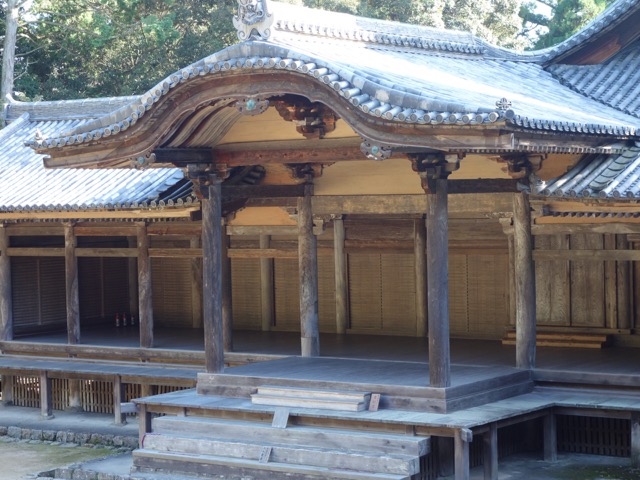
pixel 203 176
pixel 313 120
pixel 521 165
pixel 434 166
pixel 305 171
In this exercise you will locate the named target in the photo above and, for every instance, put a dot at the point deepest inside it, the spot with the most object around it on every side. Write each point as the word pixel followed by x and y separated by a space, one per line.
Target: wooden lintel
pixel 617 228
pixel 485 185
pixel 261 191
pixel 35 252
pixel 299 155
pixel 595 255
pixel 252 230
pixel 137 214
pixel 286 202
pixel 105 252
pixel 181 157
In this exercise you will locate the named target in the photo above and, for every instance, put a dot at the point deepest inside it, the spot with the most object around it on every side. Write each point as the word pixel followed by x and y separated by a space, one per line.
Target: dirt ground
pixel 22 459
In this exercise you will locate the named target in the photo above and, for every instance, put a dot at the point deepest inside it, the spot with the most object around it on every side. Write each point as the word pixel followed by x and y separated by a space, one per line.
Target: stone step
pixel 331 438
pixel 289 454
pixel 311 398
pixel 211 466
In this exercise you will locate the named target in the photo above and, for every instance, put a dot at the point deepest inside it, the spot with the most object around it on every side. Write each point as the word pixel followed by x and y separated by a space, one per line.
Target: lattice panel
pixel 171 283
pixel 287 294
pixel 594 436
pixel 245 278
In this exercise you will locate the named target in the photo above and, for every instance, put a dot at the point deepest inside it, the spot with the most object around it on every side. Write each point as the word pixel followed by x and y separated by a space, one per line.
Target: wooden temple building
pixel 341 248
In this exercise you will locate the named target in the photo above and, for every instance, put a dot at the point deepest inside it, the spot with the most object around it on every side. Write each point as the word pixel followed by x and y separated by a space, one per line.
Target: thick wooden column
pixel 46 397
pixel 71 282
pixel 308 267
pixel 212 275
pixel 267 288
pixel 525 288
pixel 341 276
pixel 145 298
pixel 490 452
pixel 438 284
pixel 118 397
pixel 6 304
pixel 420 265
pixel 461 454
pixel 196 285
pixel 550 434
pixel 227 294
pixel 132 272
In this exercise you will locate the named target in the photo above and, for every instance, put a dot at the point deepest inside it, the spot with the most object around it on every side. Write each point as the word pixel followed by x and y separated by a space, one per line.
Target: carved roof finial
pixel 253 21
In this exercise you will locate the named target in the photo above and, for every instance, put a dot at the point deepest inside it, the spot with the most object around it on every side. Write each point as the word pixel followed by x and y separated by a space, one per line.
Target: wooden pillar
pixel 71 282
pixel 75 399
pixel 196 285
pixel 227 293
pixel 267 287
pixel 490 452
pixel 118 397
pixel 420 265
pixel 438 284
pixel 635 440
pixel 610 284
pixel 46 398
pixel 624 286
pixel 7 389
pixel 550 437
pixel 524 284
pixel 512 281
pixel 212 275
pixel 308 268
pixel 133 279
pixel 145 297
pixel 144 422
pixel 461 453
pixel 6 304
pixel 341 276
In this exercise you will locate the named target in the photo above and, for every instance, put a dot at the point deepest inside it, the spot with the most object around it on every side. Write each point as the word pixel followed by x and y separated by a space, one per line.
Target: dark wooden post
pixel 490 452
pixel 461 441
pixel 341 276
pixel 420 262
pixel 438 284
pixel 524 283
pixel 71 281
pixel 635 440
pixel 46 398
pixel 227 294
pixel 196 285
pixel 118 397
pixel 308 267
pixel 267 289
pixel 132 272
pixel 212 274
pixel 550 434
pixel 7 389
pixel 145 298
pixel 6 305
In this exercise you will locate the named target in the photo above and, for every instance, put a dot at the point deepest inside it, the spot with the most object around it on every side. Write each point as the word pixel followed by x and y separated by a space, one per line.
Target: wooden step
pixel 563 339
pixel 311 398
pixel 284 454
pixel 147 460
pixel 331 438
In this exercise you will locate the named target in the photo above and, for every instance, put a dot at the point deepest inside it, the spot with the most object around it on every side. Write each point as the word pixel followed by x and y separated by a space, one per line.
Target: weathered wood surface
pixel 137 214
pixel 438 285
pixel 71 285
pixel 7 382
pixel 118 397
pixel 308 273
pixel 635 439
pixel 587 254
pixel 623 284
pixel 587 283
pixel 267 287
pixel 461 453
pixel 550 438
pixel 104 252
pixel 196 284
pixel 420 254
pixel 212 276
pixel 6 303
pixel 553 283
pixel 227 297
pixel 341 276
pixel 525 283
pixel 490 452
pixel 145 294
pixel 46 396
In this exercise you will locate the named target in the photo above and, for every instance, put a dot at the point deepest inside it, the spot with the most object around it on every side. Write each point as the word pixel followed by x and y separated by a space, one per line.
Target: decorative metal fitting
pixel 143 161
pixel 503 104
pixel 375 152
pixel 252 106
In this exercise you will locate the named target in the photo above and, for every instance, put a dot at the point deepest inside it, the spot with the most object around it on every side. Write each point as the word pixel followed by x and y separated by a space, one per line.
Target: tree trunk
pixel 9 52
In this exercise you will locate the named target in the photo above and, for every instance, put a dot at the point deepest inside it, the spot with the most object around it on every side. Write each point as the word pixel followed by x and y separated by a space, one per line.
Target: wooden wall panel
pixel 171 292
pixel 458 300
pixel 53 298
pixel 587 284
pixel 487 284
pixel 398 294
pixel 326 294
pixel 553 284
pixel 364 292
pixel 286 279
pixel 245 279
pixel 90 289
pixel 25 291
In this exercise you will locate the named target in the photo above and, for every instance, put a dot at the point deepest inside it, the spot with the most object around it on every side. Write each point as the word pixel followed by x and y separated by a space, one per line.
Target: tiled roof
pixel 615 82
pixel 25 185
pixel 601 176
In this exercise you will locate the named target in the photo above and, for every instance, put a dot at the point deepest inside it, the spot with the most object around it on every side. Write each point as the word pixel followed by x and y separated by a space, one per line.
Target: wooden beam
pixel 582 255
pixel 490 452
pixel 617 228
pixel 230 192
pixel 46 397
pixel 227 293
pixel 255 230
pixel 267 287
pixel 420 270
pixel 318 154
pixel 104 252
pixel 137 214
pixel 438 286
pixel 212 276
pixel 483 185
pixel 308 270
pixel 6 302
pixel 524 283
pixel 71 285
pixel 182 157
pixel 341 276
pixel 145 294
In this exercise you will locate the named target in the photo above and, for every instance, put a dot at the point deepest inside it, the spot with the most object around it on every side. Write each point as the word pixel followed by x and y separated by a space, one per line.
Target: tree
pixel 11 13
pixel 566 18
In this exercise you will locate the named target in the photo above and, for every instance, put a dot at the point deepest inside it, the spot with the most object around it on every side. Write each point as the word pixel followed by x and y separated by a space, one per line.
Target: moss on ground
pixel 598 472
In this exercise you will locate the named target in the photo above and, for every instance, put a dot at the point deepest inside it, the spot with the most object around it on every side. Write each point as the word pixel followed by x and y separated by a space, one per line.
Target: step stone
pixel 335 438
pixel 150 461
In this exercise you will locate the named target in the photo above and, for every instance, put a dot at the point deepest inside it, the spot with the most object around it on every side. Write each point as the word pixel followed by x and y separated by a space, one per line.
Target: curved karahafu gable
pixel 396 85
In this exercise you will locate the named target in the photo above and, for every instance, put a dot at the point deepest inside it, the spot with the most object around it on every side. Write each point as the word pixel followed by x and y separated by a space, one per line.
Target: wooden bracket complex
pixel 434 166
pixel 203 175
